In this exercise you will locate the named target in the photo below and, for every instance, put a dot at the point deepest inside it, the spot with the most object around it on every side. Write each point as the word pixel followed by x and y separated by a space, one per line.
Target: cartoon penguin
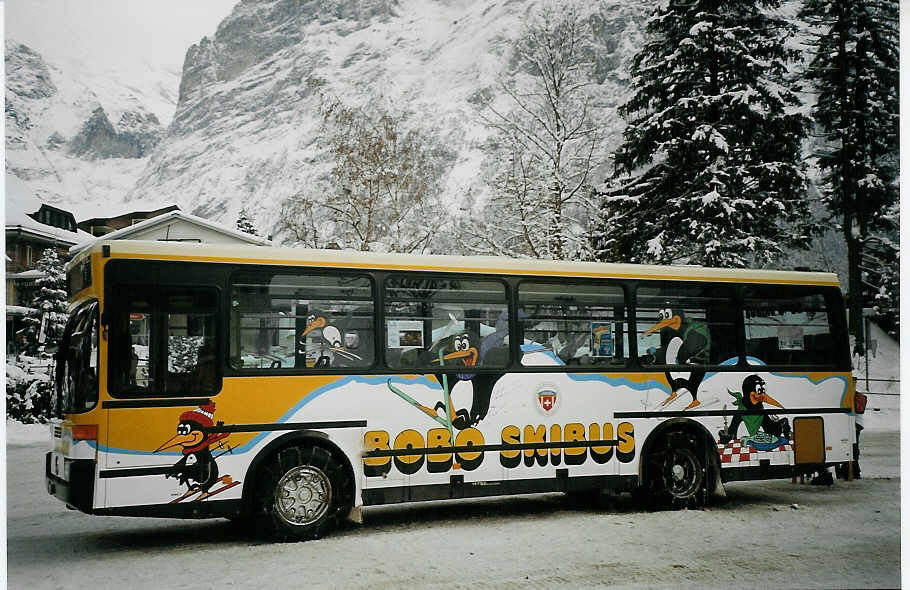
pixel 683 341
pixel 197 468
pixel 465 349
pixel 753 398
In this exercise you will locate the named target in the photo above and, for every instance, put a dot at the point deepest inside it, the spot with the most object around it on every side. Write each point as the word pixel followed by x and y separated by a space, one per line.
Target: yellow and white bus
pixel 291 388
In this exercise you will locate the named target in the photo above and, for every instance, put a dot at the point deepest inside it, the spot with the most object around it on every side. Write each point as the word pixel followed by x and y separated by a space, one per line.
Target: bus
pixel 288 389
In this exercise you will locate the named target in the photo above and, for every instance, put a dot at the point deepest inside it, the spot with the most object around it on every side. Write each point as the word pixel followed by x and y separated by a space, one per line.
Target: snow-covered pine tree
pixel 49 301
pixel 709 171
pixel 855 70
pixel 245 224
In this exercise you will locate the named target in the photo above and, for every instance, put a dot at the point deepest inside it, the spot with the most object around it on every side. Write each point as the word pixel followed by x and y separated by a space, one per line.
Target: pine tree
pixel 709 171
pixel 856 73
pixel 245 224
pixel 49 302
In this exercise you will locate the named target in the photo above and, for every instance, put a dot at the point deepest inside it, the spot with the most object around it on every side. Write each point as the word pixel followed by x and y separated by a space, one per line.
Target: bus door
pixel 163 373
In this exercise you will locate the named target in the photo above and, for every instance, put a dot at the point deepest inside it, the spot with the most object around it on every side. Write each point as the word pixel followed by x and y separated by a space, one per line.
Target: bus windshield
pixel 77 361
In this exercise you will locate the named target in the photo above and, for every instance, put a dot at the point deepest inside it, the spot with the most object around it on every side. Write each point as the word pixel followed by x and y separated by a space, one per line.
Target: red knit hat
pixel 203 415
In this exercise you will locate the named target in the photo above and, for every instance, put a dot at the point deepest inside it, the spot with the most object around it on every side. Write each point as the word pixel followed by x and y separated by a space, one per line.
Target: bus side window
pixel 301 320
pixel 191 337
pixel 131 353
pixel 433 321
pixel 575 324
pixel 686 324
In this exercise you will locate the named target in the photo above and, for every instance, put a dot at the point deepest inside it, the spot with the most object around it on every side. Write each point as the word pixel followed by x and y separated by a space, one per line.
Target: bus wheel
pixel 676 472
pixel 299 494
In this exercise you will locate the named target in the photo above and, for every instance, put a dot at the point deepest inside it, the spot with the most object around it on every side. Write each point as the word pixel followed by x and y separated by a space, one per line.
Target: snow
pixel 18 434
pixel 536 541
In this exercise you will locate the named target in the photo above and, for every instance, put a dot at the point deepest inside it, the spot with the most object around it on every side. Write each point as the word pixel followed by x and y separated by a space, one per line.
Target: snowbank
pixel 26 434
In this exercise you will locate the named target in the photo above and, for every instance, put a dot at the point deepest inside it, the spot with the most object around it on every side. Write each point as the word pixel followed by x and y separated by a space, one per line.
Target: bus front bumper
pixel 70 480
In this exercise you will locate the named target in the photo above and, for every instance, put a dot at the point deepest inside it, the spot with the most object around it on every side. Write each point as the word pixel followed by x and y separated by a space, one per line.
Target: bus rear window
pixel 787 326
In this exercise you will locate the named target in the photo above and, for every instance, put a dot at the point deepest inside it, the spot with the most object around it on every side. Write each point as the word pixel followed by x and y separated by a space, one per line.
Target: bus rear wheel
pixel 676 476
pixel 299 494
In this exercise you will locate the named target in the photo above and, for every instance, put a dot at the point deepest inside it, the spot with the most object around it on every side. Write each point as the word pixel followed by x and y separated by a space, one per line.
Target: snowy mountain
pixel 76 141
pixel 243 132
pixel 244 127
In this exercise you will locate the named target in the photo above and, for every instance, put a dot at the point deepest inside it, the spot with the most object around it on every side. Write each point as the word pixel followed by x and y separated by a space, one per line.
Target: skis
pixel 202 496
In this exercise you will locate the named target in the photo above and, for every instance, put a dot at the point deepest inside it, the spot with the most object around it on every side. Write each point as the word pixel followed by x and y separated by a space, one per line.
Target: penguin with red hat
pixel 197 468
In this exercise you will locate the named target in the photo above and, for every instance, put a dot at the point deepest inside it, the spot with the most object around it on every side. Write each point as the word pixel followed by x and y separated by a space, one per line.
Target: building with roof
pixel 33 226
pixel 177 226
pixel 100 226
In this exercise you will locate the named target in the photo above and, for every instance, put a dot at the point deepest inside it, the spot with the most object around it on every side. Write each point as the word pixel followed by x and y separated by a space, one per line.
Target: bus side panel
pixel 749 414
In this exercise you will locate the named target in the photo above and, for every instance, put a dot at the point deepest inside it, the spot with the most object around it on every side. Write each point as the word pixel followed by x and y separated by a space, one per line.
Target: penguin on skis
pixel 197 468
pixel 465 350
pixel 683 342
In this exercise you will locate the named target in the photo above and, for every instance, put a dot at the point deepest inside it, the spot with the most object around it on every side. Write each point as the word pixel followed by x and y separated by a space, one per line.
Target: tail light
pixel 85 432
pixel 859 402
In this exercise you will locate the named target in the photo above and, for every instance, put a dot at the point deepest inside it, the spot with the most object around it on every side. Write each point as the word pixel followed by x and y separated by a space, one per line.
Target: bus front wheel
pixel 676 476
pixel 299 494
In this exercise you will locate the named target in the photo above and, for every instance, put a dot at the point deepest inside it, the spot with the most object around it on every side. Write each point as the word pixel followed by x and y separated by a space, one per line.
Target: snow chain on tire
pixel 676 473
pixel 301 494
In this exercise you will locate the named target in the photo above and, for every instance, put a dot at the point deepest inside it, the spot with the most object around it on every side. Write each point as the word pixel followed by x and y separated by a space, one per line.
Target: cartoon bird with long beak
pixel 331 342
pixel 683 342
pixel 197 468
pixel 753 398
pixel 464 350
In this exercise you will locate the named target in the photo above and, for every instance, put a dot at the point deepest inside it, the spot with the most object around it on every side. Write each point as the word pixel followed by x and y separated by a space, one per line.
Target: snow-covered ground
pixel 770 534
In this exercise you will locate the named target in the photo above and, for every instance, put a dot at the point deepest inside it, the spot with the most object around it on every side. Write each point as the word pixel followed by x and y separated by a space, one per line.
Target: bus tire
pixel 675 472
pixel 299 494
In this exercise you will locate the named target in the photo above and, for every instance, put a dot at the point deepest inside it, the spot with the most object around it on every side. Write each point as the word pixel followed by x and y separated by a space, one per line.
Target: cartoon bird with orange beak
pixel 753 398
pixel 463 351
pixel 332 350
pixel 197 468
pixel 683 342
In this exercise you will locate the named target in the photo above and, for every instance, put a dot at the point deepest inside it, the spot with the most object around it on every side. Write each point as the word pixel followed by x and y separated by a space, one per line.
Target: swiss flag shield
pixel 547 400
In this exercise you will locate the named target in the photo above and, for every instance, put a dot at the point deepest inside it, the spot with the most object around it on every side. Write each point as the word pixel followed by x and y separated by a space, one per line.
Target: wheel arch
pixel 296 438
pixel 703 436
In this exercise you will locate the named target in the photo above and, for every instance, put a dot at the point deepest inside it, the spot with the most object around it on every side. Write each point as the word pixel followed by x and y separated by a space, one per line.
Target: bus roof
pixel 266 255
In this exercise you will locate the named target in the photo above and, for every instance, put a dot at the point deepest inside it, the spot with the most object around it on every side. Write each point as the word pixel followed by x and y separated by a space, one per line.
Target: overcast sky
pixel 114 35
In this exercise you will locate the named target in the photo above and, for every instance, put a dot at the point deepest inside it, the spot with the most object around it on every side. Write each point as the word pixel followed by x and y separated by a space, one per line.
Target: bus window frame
pixel 510 301
pixel 629 362
pixel 735 301
pixel 230 370
pixel 159 341
pixel 833 298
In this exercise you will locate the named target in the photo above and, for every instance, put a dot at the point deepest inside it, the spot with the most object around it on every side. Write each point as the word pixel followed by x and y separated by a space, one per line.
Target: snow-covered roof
pixel 28 274
pixel 20 200
pixel 143 228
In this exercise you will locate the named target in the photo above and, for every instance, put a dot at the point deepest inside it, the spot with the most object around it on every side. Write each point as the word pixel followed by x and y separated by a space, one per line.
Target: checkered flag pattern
pixel 735 452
